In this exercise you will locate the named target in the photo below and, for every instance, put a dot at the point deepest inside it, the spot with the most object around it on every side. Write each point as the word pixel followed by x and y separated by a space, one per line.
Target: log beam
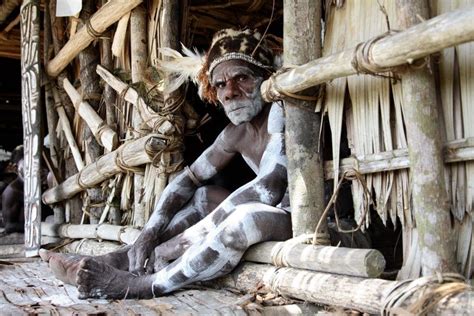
pixel 127 156
pixel 355 293
pixel 302 43
pixel 431 36
pixel 107 15
pixel 348 261
pixel 454 151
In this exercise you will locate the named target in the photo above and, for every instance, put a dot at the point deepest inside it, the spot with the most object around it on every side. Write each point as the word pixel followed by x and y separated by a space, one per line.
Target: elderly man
pixel 179 253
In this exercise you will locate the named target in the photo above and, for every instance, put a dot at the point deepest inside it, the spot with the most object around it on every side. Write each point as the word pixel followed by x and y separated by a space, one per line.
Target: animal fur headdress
pixel 227 44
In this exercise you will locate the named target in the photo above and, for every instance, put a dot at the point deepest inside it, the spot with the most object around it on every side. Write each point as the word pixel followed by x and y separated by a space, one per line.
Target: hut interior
pixel 112 138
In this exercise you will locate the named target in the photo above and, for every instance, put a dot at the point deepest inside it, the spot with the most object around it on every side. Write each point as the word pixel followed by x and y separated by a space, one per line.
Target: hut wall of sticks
pixel 115 139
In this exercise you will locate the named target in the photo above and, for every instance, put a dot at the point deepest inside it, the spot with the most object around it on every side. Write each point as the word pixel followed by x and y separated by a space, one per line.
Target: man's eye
pixel 242 77
pixel 220 85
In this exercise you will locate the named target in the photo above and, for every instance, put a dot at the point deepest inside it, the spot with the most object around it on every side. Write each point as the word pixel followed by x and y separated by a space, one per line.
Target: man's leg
pixel 216 255
pixel 65 266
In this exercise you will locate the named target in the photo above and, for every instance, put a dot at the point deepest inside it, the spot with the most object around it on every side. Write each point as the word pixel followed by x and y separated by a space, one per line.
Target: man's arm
pixel 176 194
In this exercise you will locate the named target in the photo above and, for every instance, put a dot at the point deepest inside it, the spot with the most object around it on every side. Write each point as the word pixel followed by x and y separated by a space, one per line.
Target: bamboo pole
pixel 131 154
pixel 443 31
pixel 138 45
pixel 430 199
pixel 349 292
pixel 107 15
pixel 31 92
pixel 302 124
pixel 107 137
pixel 348 261
pixel 120 34
pixel 454 151
pixel 66 127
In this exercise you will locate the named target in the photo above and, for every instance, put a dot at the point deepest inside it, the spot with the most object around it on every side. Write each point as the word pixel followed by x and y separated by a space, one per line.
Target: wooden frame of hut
pixel 408 123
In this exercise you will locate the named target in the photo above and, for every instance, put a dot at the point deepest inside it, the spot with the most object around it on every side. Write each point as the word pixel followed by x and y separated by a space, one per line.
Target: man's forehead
pixel 232 67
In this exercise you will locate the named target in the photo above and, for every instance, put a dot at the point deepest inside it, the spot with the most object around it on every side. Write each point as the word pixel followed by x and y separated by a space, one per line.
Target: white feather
pixel 181 68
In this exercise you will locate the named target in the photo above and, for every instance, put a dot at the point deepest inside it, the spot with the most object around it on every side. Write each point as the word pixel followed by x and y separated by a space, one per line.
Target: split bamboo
pixel 107 15
pixel 120 35
pixel 433 35
pixel 347 261
pixel 131 154
pixel 305 165
pixel 107 137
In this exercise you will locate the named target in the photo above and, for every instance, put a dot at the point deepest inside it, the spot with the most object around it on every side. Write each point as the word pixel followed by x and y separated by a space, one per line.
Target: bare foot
pixel 64 266
pixel 99 280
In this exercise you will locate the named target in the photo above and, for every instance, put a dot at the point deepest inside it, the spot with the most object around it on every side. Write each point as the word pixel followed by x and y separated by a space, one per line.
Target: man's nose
pixel 231 90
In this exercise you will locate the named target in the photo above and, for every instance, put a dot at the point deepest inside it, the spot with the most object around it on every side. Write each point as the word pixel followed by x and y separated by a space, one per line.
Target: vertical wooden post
pixel 88 61
pixel 30 86
pixel 302 43
pixel 430 200
pixel 138 42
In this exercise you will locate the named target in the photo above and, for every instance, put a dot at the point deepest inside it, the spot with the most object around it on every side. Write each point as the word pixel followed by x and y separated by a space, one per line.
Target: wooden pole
pixel 107 15
pixel 139 57
pixel 107 137
pixel 6 8
pixel 354 293
pixel 131 154
pixel 302 43
pixel 443 31
pixel 91 91
pixel 430 200
pixel 454 151
pixel 120 35
pixel 32 140
pixel 348 261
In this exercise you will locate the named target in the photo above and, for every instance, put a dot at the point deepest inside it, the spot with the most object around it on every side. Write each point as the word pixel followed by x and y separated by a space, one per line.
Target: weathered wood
pixel 454 151
pixel 129 155
pixel 66 128
pixel 123 234
pixel 101 131
pixel 107 15
pixel 394 50
pixel 90 247
pixel 10 45
pixel 356 262
pixel 430 199
pixel 364 295
pixel 138 46
pixel 301 43
pixel 120 34
pixel 32 140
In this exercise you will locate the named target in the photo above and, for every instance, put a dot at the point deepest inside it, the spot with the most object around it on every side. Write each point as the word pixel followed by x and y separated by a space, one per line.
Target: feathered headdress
pixel 247 45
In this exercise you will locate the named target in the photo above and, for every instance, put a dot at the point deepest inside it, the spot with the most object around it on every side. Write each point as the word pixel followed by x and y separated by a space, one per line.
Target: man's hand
pixel 141 250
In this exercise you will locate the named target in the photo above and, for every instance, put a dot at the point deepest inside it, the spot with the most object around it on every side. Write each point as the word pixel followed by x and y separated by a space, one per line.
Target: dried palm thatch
pixel 457 95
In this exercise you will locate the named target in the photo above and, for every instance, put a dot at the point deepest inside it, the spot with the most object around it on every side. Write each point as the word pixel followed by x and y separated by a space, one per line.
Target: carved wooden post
pixel 139 58
pixel 302 43
pixel 430 200
pixel 30 86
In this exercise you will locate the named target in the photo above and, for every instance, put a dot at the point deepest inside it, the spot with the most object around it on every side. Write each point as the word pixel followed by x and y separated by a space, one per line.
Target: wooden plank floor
pixel 28 287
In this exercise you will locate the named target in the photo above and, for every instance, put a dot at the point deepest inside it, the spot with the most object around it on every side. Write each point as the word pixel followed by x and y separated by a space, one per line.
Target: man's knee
pixel 239 230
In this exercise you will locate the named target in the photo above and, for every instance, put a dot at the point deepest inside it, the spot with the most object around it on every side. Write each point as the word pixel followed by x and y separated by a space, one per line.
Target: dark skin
pixel 214 245
pixel 12 204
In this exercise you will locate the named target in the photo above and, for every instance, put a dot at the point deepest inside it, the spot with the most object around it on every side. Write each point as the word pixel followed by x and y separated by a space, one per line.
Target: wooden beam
pixel 454 151
pixel 32 138
pixel 131 154
pixel 301 43
pixel 401 48
pixel 107 15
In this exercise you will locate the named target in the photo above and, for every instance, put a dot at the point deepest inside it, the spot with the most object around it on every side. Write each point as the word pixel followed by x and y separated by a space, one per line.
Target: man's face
pixel 238 90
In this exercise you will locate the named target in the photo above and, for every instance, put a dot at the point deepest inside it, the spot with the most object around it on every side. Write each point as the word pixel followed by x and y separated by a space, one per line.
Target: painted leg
pixel 222 248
